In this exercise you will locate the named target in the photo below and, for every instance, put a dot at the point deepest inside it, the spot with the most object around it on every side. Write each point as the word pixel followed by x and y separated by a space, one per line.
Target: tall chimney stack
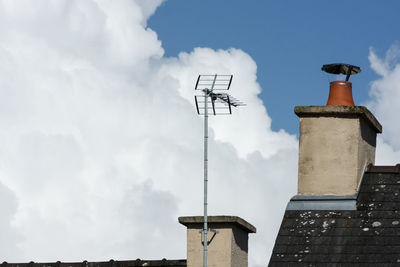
pixel 337 141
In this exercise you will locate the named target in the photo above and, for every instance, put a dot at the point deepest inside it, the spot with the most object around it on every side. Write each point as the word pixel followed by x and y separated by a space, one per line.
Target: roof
pixel 368 235
pixel 198 221
pixel 111 263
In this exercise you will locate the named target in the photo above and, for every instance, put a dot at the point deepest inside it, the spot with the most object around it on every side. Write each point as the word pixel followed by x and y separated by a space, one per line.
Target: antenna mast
pixel 221 104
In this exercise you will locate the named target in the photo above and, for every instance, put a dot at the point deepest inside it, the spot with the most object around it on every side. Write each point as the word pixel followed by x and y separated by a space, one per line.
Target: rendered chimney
pixel 227 248
pixel 337 142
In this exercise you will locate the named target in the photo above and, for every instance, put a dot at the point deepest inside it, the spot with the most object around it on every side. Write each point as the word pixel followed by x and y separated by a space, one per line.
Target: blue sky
pixel 289 40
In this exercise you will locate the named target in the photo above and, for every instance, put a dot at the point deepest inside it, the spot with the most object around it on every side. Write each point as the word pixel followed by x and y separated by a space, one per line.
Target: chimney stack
pixel 337 141
pixel 228 241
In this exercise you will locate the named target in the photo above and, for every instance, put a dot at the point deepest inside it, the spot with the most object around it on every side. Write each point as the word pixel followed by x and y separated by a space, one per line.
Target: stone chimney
pixel 337 141
pixel 336 145
pixel 228 247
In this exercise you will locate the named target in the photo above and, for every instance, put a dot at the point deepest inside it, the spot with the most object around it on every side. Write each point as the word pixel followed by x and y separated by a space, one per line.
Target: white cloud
pixel 100 142
pixel 385 93
pixel 385 154
pixel 10 235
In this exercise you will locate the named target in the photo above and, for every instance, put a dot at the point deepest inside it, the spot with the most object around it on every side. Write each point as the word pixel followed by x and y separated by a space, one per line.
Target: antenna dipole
pixel 221 104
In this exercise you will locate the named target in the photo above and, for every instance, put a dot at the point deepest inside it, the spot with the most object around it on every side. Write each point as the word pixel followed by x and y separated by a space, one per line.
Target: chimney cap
pixel 222 219
pixel 341 68
pixel 339 111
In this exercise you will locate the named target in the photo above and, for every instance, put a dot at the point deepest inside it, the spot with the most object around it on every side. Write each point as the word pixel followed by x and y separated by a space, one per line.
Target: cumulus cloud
pixel 385 93
pixel 100 142
pixel 10 236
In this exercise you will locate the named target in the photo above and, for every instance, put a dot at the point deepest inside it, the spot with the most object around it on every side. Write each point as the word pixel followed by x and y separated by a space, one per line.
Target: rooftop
pixel 111 263
pixel 369 234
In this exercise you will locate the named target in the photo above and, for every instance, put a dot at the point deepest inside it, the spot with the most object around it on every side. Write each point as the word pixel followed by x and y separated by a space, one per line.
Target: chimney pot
pixel 340 94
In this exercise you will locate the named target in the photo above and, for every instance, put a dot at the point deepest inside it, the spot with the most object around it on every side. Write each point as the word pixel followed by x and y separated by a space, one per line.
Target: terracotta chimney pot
pixel 340 94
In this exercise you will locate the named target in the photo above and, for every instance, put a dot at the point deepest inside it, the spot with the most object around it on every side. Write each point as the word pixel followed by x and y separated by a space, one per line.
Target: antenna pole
pixel 221 105
pixel 205 226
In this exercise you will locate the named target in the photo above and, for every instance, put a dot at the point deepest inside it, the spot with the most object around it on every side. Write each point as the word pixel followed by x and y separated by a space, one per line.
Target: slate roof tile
pixel 111 263
pixel 368 236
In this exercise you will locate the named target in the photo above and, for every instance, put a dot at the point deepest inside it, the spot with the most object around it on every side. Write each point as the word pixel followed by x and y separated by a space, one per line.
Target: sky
pixel 100 141
pixel 289 40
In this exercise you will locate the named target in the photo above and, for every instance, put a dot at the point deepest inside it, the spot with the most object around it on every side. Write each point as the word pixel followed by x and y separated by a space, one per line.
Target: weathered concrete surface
pixel 336 144
pixel 227 248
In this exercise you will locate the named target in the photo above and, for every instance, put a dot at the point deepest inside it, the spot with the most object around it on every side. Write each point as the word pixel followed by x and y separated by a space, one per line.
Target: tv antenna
pixel 217 104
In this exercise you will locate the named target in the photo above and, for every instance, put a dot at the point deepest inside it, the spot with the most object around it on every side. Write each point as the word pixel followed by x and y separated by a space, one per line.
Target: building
pixel 228 247
pixel 347 210
pixel 111 263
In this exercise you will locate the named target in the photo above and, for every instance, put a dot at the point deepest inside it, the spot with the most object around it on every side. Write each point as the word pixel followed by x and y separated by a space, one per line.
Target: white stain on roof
pixel 376 224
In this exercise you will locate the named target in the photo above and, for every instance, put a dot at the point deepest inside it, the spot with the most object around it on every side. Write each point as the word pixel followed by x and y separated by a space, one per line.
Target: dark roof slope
pixel 368 236
pixel 111 263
